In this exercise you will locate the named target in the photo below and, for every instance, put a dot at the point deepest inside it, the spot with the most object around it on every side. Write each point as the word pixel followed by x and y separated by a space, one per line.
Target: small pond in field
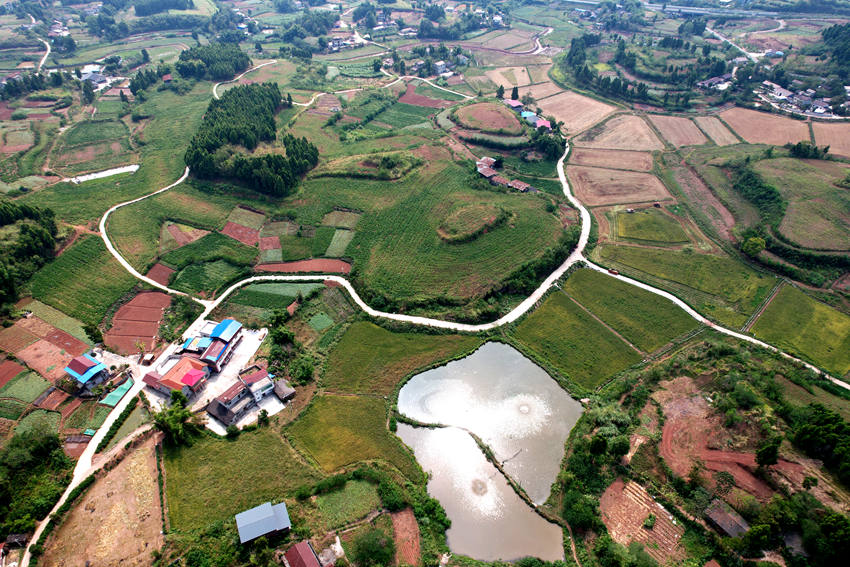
pixel 523 416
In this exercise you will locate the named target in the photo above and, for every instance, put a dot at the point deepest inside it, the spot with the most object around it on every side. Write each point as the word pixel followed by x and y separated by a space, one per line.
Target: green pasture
pixel 207 278
pixel 400 115
pixel 211 247
pixel 348 505
pixel 650 225
pixel 83 282
pixel 92 132
pixel 90 415
pixel 574 343
pixel 26 387
pixel 341 239
pixel 138 417
pixel 336 431
pixel 800 396
pixel 425 89
pixel 795 322
pixel 245 217
pixel 645 319
pixel 371 359
pixel 213 479
pixel 39 420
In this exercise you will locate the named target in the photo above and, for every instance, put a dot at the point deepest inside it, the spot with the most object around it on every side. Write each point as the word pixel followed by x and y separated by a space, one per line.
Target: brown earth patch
pixel 410 97
pixel 576 111
pixel 678 130
pixel 38 104
pixel 623 132
pixel 715 129
pixel 8 370
pixel 596 186
pixel 66 342
pixel 406 535
pixel 625 506
pixel 308 266
pixel 5 111
pixel 614 159
pixel 243 234
pixel 15 338
pixel 46 358
pixel 700 195
pixel 14 148
pixel 184 237
pixel 762 128
pixel 489 116
pixel 36 326
pixel 160 273
pixel 53 400
pixel 835 135
pixel 118 521
pixel 136 323
pixel 541 90
pixel 70 408
pixel 269 243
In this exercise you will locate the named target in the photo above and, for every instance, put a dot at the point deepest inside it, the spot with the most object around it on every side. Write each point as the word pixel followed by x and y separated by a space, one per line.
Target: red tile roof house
pixel 189 376
pixel 487 172
pixel 499 180
pixel 515 104
pixel 301 555
pixel 520 186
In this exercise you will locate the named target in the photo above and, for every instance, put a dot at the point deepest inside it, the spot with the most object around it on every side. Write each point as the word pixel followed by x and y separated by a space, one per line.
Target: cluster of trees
pixel 31 82
pixel 288 6
pixel 214 61
pixel 692 26
pixel 550 145
pixel 30 250
pixel 244 116
pixel 527 277
pixel 837 40
pixel 467 22
pixel 575 62
pixel 286 355
pixel 807 150
pixel 145 78
pixel 766 198
pixel 824 435
pixel 149 7
pixel 313 23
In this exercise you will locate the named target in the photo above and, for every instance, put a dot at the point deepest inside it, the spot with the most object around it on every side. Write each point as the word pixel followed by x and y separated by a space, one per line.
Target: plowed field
pixel 596 186
pixel 577 112
pixel 310 266
pixel 762 128
pixel 677 130
pixel 614 159
pixel 624 132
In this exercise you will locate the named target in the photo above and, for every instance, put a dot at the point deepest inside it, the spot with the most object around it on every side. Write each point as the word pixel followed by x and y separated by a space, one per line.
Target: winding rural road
pixel 46 54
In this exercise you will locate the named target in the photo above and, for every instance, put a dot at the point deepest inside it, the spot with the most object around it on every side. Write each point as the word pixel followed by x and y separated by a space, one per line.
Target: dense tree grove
pixel 767 198
pixel 807 150
pixel 837 40
pixel 244 116
pixel 575 62
pixel 215 61
pixel 824 435
pixel 29 250
pixel 28 83
pixel 145 78
pixel 148 7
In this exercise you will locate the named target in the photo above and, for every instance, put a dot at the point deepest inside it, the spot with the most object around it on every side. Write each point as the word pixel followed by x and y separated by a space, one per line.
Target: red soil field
pixel 15 338
pixel 489 116
pixel 406 535
pixel 137 323
pixel 318 265
pixel 45 330
pixel 243 234
pixel 625 506
pixel 160 273
pixel 69 409
pixel 269 243
pixel 8 370
pixel 762 128
pixel 46 358
pixel 53 400
pixel 410 97
pixel 184 237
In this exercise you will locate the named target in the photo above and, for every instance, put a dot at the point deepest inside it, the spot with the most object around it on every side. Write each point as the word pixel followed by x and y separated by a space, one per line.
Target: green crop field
pixel 83 282
pixel 247 218
pixel 337 431
pixel 800 324
pixel 208 277
pixel 341 239
pixel 425 89
pixel 320 321
pixel 39 420
pixel 58 320
pixel 138 417
pixel 800 396
pixel 348 505
pixel 213 246
pixel 371 359
pixel 400 115
pixel 214 479
pixel 272 295
pixel 816 216
pixel 94 131
pixel 650 225
pixel 573 342
pixel 647 320
pixel 90 415
pixel 11 409
pixel 25 387
pixel 295 247
pixel 739 289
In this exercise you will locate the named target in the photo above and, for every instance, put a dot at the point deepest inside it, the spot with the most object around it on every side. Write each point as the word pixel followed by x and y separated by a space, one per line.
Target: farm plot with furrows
pixel 576 111
pixel 612 159
pixel 650 225
pixel 834 135
pixel 401 115
pixel 540 90
pixel 623 132
pixel 570 340
pixel 509 76
pixel 715 129
pixel 595 186
pixel 209 277
pixel 677 130
pixel 489 117
pixel 646 320
pixel 25 387
pixel 211 247
pixel 762 128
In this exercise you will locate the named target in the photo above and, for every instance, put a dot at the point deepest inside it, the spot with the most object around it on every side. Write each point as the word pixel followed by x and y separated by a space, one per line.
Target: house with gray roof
pixel 263 520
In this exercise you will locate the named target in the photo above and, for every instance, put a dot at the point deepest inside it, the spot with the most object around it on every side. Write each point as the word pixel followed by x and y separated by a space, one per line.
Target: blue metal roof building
pixel 226 330
pixel 84 368
pixel 262 520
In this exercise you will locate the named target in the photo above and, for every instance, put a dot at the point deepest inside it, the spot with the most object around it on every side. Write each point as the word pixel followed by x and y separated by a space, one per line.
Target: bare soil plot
pixel 835 135
pixel 8 370
pixel 489 116
pixel 410 97
pixel 44 330
pixel 541 90
pixel 341 219
pixel 678 130
pixel 596 186
pixel 118 521
pixel 269 243
pixel 242 233
pixel 308 266
pixel 46 358
pixel 160 273
pixel 623 132
pixel 614 159
pixel 715 129
pixel 184 234
pixel 136 323
pixel 406 535
pixel 762 128
pixel 625 506
pixel 53 400
pixel 509 76
pixel 508 40
pixel 576 111
pixel 15 338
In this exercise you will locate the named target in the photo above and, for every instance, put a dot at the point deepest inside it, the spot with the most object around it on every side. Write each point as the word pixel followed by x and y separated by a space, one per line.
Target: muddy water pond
pixel 509 402
pixel 489 520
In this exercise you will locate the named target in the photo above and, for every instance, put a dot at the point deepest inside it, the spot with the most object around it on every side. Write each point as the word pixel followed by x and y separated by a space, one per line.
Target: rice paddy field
pixel 809 328
pixel 369 359
pixel 571 341
pixel 336 431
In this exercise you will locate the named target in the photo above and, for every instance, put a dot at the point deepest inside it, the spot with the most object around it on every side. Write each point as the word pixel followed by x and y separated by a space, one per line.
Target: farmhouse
pixel 725 520
pixel 541 123
pixel 252 386
pixel 301 555
pixel 520 186
pixel 232 405
pixel 515 104
pixel 215 346
pixel 188 376
pixel 87 371
pixel 499 180
pixel 263 520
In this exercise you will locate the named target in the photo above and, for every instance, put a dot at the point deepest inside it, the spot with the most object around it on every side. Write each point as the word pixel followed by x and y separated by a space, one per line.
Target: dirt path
pixel 755 316
pixel 604 324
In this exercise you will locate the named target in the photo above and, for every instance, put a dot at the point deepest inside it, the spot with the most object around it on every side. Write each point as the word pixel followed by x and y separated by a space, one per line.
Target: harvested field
pixel 247 217
pixel 406 535
pixel 245 235
pixel 596 186
pixel 15 338
pixel 45 358
pixel 183 234
pixel 308 266
pixel 53 400
pixel 341 219
pixel 835 135
pixel 615 159
pixel 509 76
pixel 269 242
pixel 136 323
pixel 715 129
pixel 281 228
pixel 576 111
pixel 624 132
pixel 677 130
pixel 762 128
pixel 117 522
pixel 160 273
pixel 410 97
pixel 489 117
pixel 541 90
pixel 625 506
pixel 8 370
pixel 702 197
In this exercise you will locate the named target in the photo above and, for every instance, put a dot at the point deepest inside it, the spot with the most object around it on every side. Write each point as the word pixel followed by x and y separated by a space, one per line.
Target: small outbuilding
pixel 262 520
pixel 725 520
pixel 87 371
pixel 301 555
